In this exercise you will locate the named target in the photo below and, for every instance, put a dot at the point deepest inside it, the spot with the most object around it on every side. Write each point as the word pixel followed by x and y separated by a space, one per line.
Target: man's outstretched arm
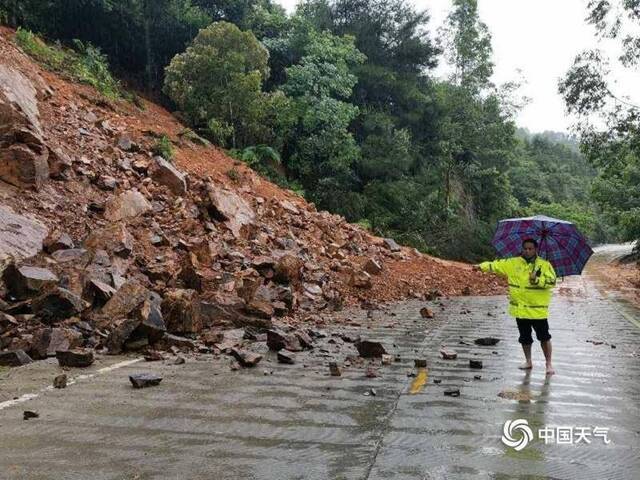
pixel 499 267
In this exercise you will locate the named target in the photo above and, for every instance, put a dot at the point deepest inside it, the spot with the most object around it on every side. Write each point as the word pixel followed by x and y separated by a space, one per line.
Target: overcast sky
pixel 540 38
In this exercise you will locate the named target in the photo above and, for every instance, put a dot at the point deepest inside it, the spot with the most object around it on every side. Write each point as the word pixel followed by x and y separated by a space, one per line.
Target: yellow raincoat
pixel 526 299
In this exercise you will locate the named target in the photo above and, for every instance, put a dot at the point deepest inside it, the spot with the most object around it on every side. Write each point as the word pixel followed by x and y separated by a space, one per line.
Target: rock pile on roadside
pixel 106 245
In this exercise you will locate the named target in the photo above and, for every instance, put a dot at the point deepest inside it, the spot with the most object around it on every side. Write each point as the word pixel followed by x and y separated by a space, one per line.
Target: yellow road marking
pixel 418 384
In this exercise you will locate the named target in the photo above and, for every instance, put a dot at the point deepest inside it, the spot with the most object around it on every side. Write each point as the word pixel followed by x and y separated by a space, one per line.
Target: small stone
pixel 369 348
pixel 391 244
pixel 486 341
pixel 477 377
pixel 286 358
pixel 27 414
pixel 245 357
pixel 420 363
pixel 448 354
pixel 475 364
pixel 179 361
pixel 277 340
pixel 373 392
pixel 334 369
pixel 437 380
pixel 75 358
pixel 153 356
pixel 452 392
pixel 144 380
pixel 60 381
pixel 387 359
pixel 372 267
pixel 426 312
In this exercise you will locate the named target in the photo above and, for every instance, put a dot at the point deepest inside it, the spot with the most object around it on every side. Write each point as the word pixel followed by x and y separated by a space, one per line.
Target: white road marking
pixel 30 396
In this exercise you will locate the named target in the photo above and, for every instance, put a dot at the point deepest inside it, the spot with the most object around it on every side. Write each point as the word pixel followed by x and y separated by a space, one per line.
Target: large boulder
pixel 114 239
pixel 25 281
pixel 20 237
pixel 125 302
pixel 181 311
pixel 232 209
pixel 58 304
pixel 129 204
pixel 166 174
pixel 23 153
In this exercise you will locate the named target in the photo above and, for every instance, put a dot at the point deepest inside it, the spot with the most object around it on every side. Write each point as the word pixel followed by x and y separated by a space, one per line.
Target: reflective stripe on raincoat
pixel 526 300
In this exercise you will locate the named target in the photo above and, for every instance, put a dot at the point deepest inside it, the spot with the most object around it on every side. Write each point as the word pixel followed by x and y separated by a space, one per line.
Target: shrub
pixel 164 148
pixel 85 64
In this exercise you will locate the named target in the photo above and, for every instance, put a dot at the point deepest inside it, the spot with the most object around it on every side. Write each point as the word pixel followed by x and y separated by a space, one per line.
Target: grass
pixel 85 63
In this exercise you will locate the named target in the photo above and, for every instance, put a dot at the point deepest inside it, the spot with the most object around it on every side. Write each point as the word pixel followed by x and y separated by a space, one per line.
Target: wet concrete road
pixel 207 422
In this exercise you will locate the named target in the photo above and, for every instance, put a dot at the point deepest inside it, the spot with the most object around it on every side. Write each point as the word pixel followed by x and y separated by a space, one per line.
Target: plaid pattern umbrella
pixel 559 242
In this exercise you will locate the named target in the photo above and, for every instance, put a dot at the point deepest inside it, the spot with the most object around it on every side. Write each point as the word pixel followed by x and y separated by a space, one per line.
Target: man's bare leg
pixel 546 348
pixel 527 355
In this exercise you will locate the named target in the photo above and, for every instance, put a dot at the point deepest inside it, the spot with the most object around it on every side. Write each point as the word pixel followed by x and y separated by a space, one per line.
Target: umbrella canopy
pixel 559 242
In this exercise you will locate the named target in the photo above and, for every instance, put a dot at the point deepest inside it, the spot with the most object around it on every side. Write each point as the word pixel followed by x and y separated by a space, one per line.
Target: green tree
pixel 217 83
pixel 323 150
pixel 608 123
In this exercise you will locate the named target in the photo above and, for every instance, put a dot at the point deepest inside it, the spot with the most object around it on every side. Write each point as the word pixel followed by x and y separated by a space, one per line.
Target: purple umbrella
pixel 559 241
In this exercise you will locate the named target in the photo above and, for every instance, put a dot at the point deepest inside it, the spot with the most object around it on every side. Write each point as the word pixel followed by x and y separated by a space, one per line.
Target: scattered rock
pixel 144 380
pixel 75 358
pixel 360 279
pixel 60 381
pixel 334 369
pixel 420 362
pixel 448 354
pixel 114 239
pixel 232 209
pixel 181 311
pixel 369 348
pixel 28 414
pixel 14 358
pixel 426 312
pixel 277 340
pixel 452 392
pixel 245 357
pixel 372 267
pixel 486 341
pixel 57 241
pixel 153 356
pixel 391 244
pixel 24 157
pixel 387 359
pixel 21 237
pixel 26 281
pixel 179 361
pixel 286 358
pixel 475 364
pixel 166 174
pixel 58 304
pixel 129 204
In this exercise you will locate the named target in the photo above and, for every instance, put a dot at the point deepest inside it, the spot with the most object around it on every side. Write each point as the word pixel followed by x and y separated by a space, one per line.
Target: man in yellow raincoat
pixel 531 280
